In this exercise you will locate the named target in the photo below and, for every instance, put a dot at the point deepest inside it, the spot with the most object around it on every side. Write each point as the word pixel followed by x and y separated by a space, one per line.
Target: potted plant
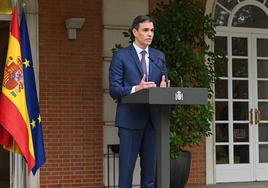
pixel 181 29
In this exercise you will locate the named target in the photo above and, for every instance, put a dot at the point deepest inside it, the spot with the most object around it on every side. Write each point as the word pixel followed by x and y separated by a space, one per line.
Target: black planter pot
pixel 180 170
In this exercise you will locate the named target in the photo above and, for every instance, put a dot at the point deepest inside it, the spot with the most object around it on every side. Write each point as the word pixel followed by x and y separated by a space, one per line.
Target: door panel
pixel 232 102
pixel 261 106
pixel 243 35
pixel 241 109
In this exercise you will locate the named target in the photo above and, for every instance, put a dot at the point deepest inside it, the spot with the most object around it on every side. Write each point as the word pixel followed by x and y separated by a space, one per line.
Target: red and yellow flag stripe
pixel 13 109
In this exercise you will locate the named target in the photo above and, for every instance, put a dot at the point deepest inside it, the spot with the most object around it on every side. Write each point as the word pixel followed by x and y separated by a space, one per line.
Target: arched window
pixel 242 13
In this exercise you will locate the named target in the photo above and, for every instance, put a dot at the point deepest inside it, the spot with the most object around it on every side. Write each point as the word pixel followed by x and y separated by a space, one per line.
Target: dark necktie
pixel 143 63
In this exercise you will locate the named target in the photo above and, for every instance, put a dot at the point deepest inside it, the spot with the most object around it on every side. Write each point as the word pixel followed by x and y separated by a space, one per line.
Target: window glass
pixel 221 16
pixel 262 89
pixel 263 156
pixel 240 89
pixel 240 68
pixel 262 46
pixel 263 107
pixel 221 110
pixel 222 134
pixel 239 46
pixel 263 132
pixel 241 154
pixel 228 4
pixel 222 154
pixel 4 168
pixel 4 35
pixel 262 66
pixel 241 132
pixel 250 16
pixel 221 89
pixel 220 45
pixel 240 111
pixel 261 1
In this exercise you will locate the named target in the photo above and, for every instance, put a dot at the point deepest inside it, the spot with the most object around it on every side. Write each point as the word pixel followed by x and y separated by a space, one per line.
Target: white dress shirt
pixel 139 50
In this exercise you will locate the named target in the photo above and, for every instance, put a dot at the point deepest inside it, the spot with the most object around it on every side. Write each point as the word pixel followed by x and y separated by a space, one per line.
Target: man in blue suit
pixel 134 68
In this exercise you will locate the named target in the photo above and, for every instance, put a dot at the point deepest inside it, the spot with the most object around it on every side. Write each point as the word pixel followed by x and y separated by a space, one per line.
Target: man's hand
pixel 143 84
pixel 164 83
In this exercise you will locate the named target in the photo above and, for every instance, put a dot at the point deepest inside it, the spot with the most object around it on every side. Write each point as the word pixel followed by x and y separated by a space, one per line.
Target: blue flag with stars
pixel 31 97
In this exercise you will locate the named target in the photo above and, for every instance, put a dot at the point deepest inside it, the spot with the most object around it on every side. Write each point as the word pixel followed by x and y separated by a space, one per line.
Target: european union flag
pixel 31 97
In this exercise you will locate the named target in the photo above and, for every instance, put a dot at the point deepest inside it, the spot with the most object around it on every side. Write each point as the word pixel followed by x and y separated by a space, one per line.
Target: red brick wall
pixel 71 94
pixel 198 169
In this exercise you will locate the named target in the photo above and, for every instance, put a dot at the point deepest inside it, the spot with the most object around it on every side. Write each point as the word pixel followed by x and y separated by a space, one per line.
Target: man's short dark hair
pixel 138 20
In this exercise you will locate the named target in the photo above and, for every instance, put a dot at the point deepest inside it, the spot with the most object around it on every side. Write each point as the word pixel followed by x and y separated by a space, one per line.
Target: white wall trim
pixel 210 146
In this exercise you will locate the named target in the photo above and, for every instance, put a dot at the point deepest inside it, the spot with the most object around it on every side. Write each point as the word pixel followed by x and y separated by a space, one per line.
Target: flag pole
pixel 13 142
pixel 15 2
pixel 23 163
pixel 23 5
pixel 13 164
pixel 22 173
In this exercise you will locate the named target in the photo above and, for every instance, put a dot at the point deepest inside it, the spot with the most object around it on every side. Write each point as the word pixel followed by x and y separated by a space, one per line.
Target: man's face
pixel 144 34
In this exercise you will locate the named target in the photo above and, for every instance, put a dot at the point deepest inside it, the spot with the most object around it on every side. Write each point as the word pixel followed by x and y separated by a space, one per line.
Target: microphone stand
pixel 162 72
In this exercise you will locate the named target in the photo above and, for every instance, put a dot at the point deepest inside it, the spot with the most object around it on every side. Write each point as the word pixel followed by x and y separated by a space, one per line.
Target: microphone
pixel 151 59
pixel 181 81
pixel 162 72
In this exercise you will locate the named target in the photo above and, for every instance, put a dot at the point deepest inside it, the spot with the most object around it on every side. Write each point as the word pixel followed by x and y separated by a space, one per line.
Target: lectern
pixel 164 97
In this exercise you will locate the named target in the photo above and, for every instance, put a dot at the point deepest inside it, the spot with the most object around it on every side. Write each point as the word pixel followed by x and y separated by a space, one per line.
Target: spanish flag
pixel 14 118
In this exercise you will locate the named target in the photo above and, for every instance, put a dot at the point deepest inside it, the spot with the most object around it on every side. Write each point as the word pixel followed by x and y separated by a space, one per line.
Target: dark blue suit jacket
pixel 124 73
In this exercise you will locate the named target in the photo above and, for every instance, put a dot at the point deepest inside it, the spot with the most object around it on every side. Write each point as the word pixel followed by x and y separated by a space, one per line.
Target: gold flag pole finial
pixel 23 5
